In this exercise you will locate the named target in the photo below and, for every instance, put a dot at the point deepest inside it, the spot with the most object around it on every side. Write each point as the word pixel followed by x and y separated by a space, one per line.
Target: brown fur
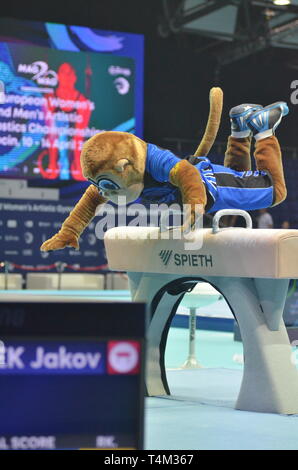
pixel 237 155
pixel 187 178
pixel 104 150
pixel 216 103
pixel 100 153
pixel 76 222
pixel 268 157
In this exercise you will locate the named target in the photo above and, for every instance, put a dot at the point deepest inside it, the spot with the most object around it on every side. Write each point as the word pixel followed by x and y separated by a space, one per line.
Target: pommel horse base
pixel 251 268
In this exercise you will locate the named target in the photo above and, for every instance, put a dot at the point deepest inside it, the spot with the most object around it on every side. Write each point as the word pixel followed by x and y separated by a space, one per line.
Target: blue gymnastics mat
pixel 200 415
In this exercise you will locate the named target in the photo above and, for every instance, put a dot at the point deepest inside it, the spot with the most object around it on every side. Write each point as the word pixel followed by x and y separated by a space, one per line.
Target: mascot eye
pixel 105 185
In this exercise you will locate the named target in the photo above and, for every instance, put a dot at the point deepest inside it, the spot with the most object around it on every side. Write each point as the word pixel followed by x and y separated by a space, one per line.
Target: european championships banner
pixel 59 85
pixel 54 101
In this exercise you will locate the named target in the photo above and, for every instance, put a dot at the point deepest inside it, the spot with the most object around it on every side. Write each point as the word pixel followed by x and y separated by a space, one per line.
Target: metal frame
pixel 252 33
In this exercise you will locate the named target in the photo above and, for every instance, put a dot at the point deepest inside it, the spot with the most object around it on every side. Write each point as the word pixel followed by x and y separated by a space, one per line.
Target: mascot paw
pixel 60 241
pixel 194 219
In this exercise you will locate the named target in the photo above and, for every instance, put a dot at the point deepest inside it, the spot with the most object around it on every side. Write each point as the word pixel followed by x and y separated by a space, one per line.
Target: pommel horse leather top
pixel 233 252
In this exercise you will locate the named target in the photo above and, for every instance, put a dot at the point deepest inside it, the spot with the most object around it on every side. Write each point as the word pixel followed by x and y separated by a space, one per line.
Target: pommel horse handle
pixel 223 212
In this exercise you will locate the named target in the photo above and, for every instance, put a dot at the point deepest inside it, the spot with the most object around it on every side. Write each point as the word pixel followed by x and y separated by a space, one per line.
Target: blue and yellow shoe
pixel 264 122
pixel 238 117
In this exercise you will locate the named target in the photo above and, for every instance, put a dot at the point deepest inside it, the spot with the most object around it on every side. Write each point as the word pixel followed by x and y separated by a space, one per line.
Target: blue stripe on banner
pixel 126 126
pixel 98 42
pixel 60 37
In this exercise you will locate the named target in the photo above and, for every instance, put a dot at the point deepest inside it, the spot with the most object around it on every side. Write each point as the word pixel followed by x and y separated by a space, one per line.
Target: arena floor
pixel 200 415
pixel 200 412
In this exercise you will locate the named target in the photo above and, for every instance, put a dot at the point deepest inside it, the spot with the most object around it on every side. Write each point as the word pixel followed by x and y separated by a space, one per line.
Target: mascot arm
pixel 76 222
pixel 187 178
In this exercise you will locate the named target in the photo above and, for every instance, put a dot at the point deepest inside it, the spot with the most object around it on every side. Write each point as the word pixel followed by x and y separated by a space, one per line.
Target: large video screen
pixel 71 375
pixel 78 394
pixel 53 99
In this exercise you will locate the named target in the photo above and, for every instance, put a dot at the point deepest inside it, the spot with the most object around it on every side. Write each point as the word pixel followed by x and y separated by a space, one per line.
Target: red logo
pixel 123 357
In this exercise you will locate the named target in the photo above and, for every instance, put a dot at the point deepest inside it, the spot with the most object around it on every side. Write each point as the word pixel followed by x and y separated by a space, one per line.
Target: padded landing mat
pixel 200 414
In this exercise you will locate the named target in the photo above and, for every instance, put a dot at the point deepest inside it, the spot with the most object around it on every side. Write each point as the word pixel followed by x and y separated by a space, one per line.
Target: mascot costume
pixel 121 164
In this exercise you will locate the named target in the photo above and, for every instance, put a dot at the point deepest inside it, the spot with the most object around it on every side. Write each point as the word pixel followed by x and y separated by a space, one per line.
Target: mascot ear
pixel 121 164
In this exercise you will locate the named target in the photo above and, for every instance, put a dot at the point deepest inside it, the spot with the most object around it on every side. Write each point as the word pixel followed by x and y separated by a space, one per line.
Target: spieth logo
pixel 41 73
pixel 165 256
pixel 189 260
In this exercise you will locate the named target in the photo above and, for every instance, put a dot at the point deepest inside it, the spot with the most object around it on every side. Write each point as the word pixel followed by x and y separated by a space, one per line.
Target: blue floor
pixel 213 349
pixel 200 416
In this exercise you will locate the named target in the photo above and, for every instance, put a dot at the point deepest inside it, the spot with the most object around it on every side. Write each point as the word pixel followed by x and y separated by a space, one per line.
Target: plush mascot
pixel 121 164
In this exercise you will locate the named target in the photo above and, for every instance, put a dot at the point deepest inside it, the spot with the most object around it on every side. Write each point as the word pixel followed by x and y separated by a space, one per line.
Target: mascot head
pixel 115 163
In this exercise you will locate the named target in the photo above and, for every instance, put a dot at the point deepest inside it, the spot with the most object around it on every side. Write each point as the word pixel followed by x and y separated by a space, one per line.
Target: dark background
pixel 178 73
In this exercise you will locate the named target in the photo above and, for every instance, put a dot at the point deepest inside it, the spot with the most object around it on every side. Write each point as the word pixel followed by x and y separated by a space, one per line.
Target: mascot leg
pixel 268 157
pixel 263 124
pixel 237 156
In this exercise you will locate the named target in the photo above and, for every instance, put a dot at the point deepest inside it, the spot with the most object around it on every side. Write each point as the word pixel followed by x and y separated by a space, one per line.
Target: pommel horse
pixel 250 267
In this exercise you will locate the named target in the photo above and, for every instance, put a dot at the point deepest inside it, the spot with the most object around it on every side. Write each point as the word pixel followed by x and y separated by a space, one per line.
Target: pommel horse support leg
pixel 251 268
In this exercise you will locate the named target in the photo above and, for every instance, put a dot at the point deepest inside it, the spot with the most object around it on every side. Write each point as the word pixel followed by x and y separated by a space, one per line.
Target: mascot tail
pixel 216 102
